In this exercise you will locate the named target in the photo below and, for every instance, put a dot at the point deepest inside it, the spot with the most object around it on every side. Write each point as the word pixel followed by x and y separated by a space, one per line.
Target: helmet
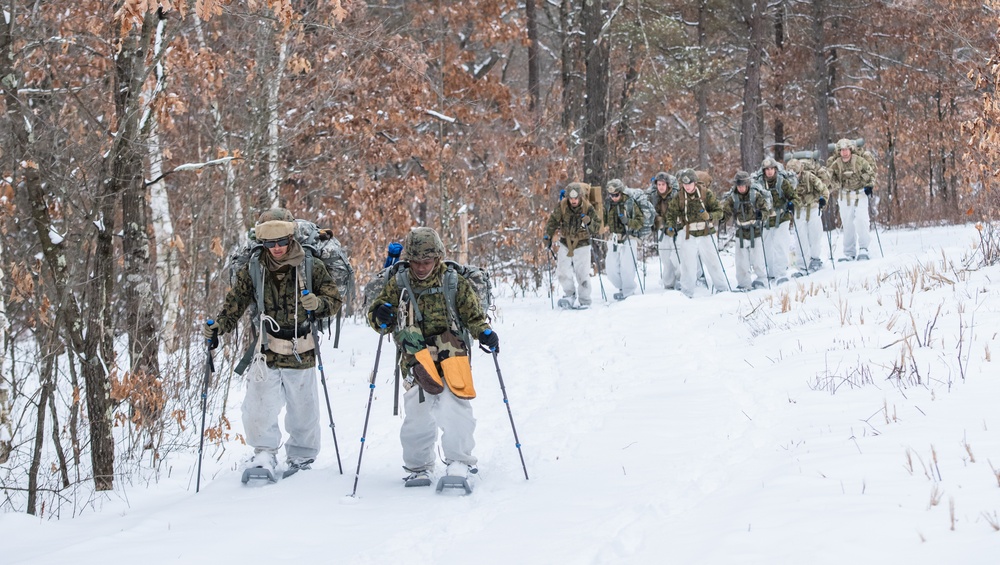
pixel 742 178
pixel 662 176
pixel 615 186
pixel 769 163
pixel 576 189
pixel 275 223
pixel 422 244
pixel 795 166
pixel 845 144
pixel 687 176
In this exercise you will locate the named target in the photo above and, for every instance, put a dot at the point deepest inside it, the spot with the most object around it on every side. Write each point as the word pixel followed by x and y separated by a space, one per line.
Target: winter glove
pixel 548 242
pixel 669 232
pixel 705 216
pixel 385 315
pixel 585 220
pixel 868 191
pixel 822 202
pixel 790 206
pixel 490 340
pixel 211 334
pixel 759 216
pixel 309 301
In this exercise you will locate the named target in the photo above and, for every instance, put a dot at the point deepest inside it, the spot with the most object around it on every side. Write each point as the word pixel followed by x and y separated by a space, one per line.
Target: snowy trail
pixel 658 429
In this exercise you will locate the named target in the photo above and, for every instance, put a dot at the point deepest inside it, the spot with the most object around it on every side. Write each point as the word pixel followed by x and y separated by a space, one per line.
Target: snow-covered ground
pixel 846 417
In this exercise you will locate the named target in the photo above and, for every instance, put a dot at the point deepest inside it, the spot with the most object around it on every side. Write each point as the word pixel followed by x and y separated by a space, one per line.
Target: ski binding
pixel 258 474
pixel 450 482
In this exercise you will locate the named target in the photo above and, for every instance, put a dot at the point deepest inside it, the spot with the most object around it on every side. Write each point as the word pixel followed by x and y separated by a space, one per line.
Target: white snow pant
pixel 856 221
pixel 776 241
pixel 670 269
pixel 748 258
pixel 577 266
pixel 691 250
pixel 267 392
pixel 810 234
pixel 620 263
pixel 420 428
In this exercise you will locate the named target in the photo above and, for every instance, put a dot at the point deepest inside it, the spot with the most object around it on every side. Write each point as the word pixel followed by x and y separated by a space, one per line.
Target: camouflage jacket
pixel 623 217
pixel 433 307
pixel 850 176
pixel 569 221
pixel 686 211
pixel 746 211
pixel 810 190
pixel 661 204
pixel 781 194
pixel 281 302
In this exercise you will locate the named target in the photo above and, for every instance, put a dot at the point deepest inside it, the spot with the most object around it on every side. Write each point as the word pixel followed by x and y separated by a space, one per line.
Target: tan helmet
pixel 795 166
pixel 275 223
pixel 769 163
pixel 576 190
pixel 422 244
pixel 845 144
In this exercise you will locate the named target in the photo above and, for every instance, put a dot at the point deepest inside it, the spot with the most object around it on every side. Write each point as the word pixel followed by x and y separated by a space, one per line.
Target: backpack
pixel 648 211
pixel 318 244
pixel 477 277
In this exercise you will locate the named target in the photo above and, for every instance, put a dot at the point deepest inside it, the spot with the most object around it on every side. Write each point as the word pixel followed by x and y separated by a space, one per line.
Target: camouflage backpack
pixel 641 200
pixel 477 277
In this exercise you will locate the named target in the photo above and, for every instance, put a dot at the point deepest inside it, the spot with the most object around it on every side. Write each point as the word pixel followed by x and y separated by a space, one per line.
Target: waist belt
pixel 699 226
pixel 746 223
pixel 291 346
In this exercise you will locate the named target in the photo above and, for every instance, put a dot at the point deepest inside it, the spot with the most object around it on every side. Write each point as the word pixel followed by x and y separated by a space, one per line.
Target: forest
pixel 142 138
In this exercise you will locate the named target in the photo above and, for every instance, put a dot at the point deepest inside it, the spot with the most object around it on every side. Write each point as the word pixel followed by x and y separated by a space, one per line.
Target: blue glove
pixel 790 206
pixel 822 202
pixel 385 315
pixel 490 340
pixel 548 242
pixel 868 191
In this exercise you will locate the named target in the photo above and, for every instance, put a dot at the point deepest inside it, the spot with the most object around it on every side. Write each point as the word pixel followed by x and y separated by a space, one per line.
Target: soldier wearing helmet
pixel 852 178
pixel 413 305
pixel 693 214
pixel 577 220
pixel 747 205
pixel 283 371
pixel 812 193
pixel 777 234
pixel 664 188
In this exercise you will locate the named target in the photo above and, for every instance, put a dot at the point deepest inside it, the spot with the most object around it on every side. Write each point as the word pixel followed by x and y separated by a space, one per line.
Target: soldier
pixel 747 206
pixel 577 221
pixel 622 220
pixel 414 306
pixel 776 227
pixel 851 176
pixel 692 214
pixel 809 225
pixel 284 373
pixel 664 188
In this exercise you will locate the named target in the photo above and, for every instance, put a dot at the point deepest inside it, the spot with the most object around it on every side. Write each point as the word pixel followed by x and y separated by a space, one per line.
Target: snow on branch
pixel 192 167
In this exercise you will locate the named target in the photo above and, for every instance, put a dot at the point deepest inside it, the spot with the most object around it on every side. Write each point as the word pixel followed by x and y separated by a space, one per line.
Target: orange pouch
pixel 458 375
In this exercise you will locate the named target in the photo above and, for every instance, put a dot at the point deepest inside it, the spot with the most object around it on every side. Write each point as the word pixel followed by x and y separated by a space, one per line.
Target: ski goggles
pixel 283 242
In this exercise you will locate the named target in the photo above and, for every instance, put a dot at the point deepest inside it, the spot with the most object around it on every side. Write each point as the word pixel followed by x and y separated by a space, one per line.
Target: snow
pixel 736 428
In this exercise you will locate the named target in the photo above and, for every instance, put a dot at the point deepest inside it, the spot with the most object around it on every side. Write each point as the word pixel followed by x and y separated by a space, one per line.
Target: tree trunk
pixel 701 88
pixel 822 80
pixel 779 82
pixel 534 88
pixel 571 57
pixel 622 166
pixel 595 144
pixel 751 122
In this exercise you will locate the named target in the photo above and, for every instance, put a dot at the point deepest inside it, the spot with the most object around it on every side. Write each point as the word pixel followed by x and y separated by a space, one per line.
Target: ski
pixel 257 474
pixel 565 304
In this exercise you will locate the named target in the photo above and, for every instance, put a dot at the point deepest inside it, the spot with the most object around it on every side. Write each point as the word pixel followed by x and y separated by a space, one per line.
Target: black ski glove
pixel 489 339
pixel 211 334
pixel 385 315
pixel 868 191
pixel 822 202
pixel 790 206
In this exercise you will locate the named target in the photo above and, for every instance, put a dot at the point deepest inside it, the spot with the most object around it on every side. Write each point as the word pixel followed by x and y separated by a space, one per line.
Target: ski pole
pixel 829 239
pixel 503 389
pixel 604 295
pixel 552 288
pixel 209 369
pixel 322 379
pixel 719 255
pixel 628 242
pixel 395 395
pixel 878 239
pixel 763 251
pixel 802 250
pixel 368 411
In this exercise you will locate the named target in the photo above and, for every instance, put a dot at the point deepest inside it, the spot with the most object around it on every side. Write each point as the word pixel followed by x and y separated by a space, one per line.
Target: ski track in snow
pixel 659 429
